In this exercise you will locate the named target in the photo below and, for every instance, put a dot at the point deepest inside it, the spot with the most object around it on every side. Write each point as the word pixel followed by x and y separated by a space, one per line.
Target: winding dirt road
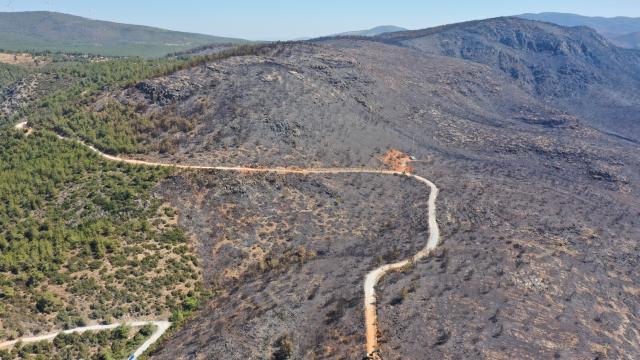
pixel 372 278
pixel 161 327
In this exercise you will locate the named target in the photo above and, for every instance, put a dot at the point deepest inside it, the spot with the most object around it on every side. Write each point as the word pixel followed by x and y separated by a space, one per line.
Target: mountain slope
pixel 574 68
pixel 615 29
pixel 41 30
pixel 615 26
pixel 538 211
pixel 631 40
pixel 373 31
pixel 523 215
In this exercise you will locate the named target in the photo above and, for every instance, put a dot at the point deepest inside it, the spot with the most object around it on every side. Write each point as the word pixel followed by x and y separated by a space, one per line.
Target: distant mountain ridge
pixel 42 30
pixel 575 68
pixel 622 31
pixel 631 41
pixel 378 30
pixel 374 31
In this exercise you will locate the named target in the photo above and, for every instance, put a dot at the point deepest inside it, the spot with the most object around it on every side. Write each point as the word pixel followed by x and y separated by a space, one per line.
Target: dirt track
pixel 372 277
pixel 161 327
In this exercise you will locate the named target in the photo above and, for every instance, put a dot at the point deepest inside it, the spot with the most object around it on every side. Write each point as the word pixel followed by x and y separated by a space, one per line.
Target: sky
pixel 291 19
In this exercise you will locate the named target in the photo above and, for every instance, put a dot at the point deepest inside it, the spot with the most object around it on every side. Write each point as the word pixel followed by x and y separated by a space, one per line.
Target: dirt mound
pixel 397 160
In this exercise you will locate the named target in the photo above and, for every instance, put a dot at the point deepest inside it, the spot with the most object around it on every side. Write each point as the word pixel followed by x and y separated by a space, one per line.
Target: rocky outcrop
pixel 573 68
pixel 165 93
pixel 18 94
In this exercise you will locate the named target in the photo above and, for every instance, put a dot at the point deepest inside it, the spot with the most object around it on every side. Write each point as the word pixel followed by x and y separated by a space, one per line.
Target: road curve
pixel 161 327
pixel 372 278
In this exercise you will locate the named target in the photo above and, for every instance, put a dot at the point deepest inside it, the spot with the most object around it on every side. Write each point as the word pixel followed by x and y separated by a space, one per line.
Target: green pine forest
pixel 84 240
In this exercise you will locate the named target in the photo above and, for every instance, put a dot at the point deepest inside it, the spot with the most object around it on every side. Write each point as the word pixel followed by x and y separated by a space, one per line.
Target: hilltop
pixel 621 30
pixel 575 68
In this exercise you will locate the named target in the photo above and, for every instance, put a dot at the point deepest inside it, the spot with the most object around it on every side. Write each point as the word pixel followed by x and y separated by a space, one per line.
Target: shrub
pixel 284 348
pixel 48 303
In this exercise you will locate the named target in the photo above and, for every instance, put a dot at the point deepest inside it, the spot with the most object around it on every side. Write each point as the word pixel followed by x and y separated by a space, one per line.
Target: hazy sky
pixel 286 19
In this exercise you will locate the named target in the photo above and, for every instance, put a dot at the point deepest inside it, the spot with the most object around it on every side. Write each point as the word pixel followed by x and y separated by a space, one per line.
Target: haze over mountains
pixel 42 30
pixel 373 31
pixel 623 31
pixel 377 30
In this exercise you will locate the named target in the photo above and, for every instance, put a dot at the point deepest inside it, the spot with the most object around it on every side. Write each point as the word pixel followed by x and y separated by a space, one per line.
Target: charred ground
pixel 287 255
pixel 538 201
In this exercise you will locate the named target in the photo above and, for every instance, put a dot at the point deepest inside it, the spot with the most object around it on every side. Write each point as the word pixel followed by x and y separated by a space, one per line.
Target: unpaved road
pixel 372 278
pixel 161 327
